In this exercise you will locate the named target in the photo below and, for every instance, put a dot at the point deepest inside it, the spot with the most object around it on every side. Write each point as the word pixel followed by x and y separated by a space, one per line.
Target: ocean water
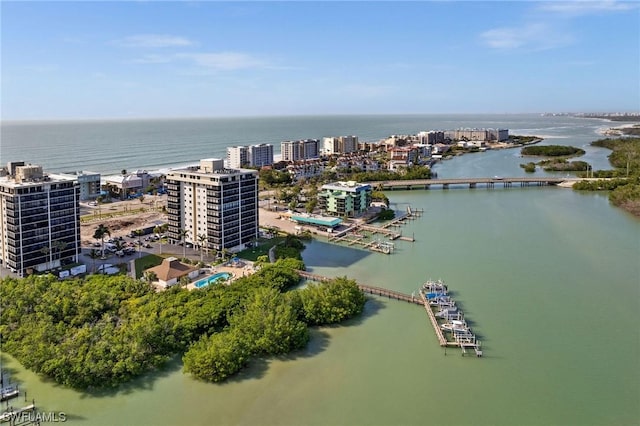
pixel 548 277
pixel 109 146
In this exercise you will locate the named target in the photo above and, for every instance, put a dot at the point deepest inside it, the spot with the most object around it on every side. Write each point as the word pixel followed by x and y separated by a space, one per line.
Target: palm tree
pixel 59 246
pixel 101 231
pixel 183 233
pixel 94 254
pixel 45 250
pixel 202 239
pixel 138 232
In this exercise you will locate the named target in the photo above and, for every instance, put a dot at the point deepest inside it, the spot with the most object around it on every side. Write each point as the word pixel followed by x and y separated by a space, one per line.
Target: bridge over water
pixel 487 182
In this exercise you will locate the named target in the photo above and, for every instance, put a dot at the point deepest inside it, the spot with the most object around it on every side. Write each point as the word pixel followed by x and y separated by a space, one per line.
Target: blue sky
pixel 196 59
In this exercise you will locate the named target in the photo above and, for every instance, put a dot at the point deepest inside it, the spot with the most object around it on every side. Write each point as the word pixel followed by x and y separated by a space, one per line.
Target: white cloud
pixel 206 62
pixel 154 59
pixel 536 36
pixel 153 40
pixel 586 7
pixel 224 60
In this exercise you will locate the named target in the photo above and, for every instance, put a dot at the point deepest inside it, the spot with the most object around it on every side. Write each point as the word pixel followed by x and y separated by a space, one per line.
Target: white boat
pixel 447 312
pixel 442 302
pixel 455 326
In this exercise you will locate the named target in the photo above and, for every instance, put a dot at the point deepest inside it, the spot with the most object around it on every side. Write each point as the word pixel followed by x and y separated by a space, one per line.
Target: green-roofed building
pixel 348 199
pixel 329 222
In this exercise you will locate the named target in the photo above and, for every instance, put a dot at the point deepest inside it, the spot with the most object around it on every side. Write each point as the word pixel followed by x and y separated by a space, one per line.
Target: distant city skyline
pixel 85 60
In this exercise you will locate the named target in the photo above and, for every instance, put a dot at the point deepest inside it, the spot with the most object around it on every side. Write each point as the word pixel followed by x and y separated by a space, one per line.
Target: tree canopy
pixel 552 151
pixel 101 331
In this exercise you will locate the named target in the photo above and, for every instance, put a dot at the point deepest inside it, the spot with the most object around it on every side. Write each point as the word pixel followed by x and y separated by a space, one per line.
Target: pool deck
pixel 235 273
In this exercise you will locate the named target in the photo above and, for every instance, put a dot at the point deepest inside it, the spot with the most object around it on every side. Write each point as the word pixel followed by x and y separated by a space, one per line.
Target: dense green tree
pixel 552 151
pixel 216 357
pixel 268 325
pixel 332 302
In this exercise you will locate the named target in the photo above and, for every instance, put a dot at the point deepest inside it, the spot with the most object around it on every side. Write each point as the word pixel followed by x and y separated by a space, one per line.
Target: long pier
pixel 378 291
pixel 466 341
pixel 488 182
pixel 434 322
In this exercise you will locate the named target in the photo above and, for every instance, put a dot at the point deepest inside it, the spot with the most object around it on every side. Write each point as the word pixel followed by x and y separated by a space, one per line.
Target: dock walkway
pixel 465 341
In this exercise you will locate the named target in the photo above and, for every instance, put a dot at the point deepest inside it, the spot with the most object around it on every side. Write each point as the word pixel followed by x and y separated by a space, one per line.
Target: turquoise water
pixel 548 278
pixel 212 279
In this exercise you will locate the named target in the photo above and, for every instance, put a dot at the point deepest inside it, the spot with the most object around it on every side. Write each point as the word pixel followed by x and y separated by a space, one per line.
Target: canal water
pixel 548 278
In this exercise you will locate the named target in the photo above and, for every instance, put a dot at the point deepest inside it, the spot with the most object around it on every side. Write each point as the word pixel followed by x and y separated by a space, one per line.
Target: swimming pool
pixel 212 279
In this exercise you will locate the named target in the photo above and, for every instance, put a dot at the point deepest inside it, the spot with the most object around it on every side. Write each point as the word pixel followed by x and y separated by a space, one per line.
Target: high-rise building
pixel 39 219
pixel 88 182
pixel 300 150
pixel 214 207
pixel 251 155
pixel 340 144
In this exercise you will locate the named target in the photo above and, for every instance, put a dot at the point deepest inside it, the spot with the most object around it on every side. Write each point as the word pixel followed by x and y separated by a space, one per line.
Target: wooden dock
pixel 466 341
pixel 11 415
pixel 354 236
pixel 434 322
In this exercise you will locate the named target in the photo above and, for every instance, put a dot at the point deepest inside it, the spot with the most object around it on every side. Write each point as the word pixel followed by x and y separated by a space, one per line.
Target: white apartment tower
pixel 340 144
pixel 252 155
pixel 216 207
pixel 39 219
pixel 300 150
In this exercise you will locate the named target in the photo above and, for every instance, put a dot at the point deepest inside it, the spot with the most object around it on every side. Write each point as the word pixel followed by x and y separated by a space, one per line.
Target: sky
pixel 108 59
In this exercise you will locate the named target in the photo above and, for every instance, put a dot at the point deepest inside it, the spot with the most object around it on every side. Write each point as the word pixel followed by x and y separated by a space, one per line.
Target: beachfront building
pixel 300 150
pixel 213 202
pixel 431 137
pixel 470 135
pixel 340 144
pixel 39 219
pixel 348 199
pixel 132 184
pixel 250 156
pixel 88 183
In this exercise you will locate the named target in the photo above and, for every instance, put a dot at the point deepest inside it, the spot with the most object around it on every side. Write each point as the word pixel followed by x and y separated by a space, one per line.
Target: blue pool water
pixel 212 279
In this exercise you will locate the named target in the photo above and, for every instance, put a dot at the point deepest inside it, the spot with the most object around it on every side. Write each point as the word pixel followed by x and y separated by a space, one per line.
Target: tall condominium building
pixel 300 150
pixel 251 155
pixel 478 134
pixel 340 144
pixel 88 182
pixel 344 198
pixel 39 219
pixel 212 202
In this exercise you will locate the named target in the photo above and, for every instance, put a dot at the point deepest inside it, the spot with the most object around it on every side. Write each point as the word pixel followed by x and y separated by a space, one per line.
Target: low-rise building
pixel 123 186
pixel 170 271
pixel 349 199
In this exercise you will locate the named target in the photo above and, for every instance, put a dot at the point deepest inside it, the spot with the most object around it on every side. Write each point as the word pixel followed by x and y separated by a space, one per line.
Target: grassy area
pixel 264 245
pixel 113 214
pixel 146 262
